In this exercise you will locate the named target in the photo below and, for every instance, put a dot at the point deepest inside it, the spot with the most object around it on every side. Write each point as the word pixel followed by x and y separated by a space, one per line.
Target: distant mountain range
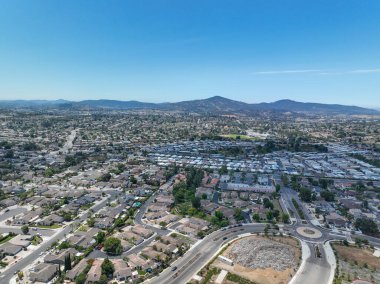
pixel 213 105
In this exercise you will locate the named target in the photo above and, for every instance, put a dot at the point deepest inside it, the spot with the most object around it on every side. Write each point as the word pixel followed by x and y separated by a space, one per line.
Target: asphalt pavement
pixel 58 235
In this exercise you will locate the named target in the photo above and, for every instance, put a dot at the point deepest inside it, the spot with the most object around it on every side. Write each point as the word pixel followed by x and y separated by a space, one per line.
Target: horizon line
pixel 188 100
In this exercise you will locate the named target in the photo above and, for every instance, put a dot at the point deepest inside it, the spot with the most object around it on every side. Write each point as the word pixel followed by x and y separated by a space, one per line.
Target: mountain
pixel 29 103
pixel 111 104
pixel 289 105
pixel 219 104
pixel 213 105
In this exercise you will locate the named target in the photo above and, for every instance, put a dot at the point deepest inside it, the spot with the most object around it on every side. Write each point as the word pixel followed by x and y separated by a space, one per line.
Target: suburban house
pixel 44 272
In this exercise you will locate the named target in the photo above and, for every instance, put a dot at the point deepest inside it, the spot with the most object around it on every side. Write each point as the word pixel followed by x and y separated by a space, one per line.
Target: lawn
pixel 54 226
pixel 36 240
pixel 235 136
pixel 87 206
pixel 7 238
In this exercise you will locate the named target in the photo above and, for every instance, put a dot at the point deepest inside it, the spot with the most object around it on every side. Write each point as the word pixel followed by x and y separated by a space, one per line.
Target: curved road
pixel 198 256
pixel 314 270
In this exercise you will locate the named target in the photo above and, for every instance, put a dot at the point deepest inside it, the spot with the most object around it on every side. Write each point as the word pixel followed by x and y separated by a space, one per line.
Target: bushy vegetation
pixel 238 279
pixel 298 208
pixel 328 195
pixel 113 246
pixel 373 162
pixel 366 225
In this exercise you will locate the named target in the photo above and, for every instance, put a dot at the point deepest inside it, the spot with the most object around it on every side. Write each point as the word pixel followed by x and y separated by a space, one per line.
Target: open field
pixel 361 255
pixel 356 263
pixel 239 136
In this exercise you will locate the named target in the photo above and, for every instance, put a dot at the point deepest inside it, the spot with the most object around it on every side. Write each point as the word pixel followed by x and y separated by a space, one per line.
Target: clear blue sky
pixel 255 50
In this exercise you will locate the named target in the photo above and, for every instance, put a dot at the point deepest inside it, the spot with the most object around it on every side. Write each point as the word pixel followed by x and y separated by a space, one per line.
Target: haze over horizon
pixel 170 51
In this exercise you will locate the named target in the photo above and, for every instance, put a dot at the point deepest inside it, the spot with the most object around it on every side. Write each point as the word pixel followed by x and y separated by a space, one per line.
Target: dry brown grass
pixel 360 255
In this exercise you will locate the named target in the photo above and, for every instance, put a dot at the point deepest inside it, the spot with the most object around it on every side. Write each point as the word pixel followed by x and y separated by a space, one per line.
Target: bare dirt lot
pixel 356 263
pixel 361 255
pixel 263 253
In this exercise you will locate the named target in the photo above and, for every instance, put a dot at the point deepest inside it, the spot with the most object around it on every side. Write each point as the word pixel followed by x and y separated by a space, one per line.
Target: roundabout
pixel 309 232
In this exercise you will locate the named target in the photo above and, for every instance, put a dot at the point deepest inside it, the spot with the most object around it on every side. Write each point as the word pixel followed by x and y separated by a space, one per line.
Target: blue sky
pixel 255 50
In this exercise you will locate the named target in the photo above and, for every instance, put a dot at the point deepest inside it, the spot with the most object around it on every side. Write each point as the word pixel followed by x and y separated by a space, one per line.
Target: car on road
pixel 174 268
pixel 225 238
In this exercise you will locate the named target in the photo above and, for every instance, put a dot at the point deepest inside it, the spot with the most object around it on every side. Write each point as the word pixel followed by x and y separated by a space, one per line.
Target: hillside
pixel 213 105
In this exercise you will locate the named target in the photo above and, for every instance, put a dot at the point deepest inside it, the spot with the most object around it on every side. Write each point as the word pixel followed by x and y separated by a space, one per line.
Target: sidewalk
pixel 305 255
pixel 330 256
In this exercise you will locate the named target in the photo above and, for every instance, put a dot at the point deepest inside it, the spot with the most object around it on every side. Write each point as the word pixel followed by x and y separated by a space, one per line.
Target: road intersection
pixel 313 270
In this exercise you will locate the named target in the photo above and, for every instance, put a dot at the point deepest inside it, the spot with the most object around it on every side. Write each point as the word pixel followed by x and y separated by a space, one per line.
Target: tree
pixel 20 275
pixel 238 214
pixel 100 237
pixel 132 179
pixel 105 177
pixel 219 220
pixel 366 225
pixel 285 218
pixel 49 172
pixel 276 213
pixel 196 202
pixel 80 279
pixel 305 194
pixel 268 203
pixel 63 245
pixel 219 214
pixel 103 279
pixel 113 246
pixel 323 183
pixel 269 215
pixel 278 187
pixel 223 170
pixel 108 268
pixel 25 229
pixel 67 262
pixel 365 204
pixel 91 222
pixel 328 195
pixel 201 234
pixel 256 217
pixel 67 216
pixel 285 180
pixel 9 154
pixel 119 222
